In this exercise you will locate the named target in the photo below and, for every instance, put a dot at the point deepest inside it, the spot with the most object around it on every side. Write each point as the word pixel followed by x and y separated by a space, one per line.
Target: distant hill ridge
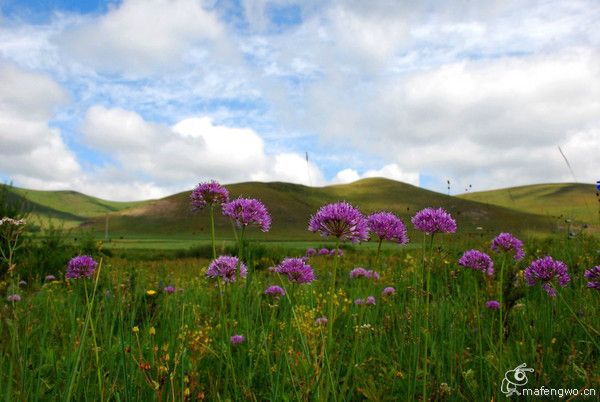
pixel 528 208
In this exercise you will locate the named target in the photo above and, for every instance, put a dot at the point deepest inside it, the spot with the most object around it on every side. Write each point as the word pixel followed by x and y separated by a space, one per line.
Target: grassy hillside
pixel 292 205
pixel 69 207
pixel 558 201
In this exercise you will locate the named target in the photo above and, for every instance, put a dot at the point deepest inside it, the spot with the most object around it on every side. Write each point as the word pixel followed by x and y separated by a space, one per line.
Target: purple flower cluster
pixel 237 339
pixel 226 268
pixel 360 272
pixel 507 242
pixel 208 194
pixel 387 226
pixel 430 221
pixel 389 291
pixel 297 270
pixel 492 304
pixel 50 278
pixel 369 301
pixel 246 211
pixel 310 252
pixel 275 291
pixel 14 298
pixel 169 289
pixel 593 275
pixel 321 321
pixel 544 271
pixel 81 266
pixel 340 220
pixel 477 260
pixel 324 251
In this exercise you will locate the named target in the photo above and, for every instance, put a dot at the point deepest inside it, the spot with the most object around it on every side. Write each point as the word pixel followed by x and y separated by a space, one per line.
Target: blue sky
pixel 138 99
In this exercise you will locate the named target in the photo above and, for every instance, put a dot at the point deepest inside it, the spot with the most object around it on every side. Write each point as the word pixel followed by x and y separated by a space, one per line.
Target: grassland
pixel 556 201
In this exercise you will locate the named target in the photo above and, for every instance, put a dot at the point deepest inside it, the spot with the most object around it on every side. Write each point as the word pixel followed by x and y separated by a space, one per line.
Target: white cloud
pixel 30 147
pixel 390 171
pixel 145 36
pixel 194 149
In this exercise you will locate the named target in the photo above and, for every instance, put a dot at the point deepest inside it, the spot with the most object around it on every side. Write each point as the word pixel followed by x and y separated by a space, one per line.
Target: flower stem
pixel 212 230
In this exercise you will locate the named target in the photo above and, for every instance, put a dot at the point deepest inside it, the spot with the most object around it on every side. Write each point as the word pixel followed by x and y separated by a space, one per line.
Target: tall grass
pixel 177 346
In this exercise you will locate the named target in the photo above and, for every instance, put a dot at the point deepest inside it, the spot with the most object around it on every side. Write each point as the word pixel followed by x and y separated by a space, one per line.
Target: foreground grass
pixel 177 346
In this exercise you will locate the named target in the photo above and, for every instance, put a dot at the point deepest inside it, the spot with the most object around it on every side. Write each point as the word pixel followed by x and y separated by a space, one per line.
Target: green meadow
pixel 150 325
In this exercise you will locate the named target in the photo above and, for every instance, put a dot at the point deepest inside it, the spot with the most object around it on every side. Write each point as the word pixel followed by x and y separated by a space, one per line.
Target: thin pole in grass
pixel 430 221
pixel 83 266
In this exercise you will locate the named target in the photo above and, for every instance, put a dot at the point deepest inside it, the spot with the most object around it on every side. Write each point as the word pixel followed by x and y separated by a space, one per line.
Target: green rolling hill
pixel 292 205
pixel 561 201
pixel 67 207
pixel 528 209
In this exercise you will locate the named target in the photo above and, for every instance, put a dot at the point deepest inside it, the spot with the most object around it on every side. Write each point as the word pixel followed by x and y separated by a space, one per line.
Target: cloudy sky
pixel 138 99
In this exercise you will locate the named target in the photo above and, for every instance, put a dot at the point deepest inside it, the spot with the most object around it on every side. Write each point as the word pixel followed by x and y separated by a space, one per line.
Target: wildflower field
pixel 437 316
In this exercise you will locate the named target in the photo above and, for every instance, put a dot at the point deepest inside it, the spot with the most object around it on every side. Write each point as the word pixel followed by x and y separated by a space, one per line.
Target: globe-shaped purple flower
pixel 275 291
pixel 14 298
pixel 492 304
pixel 477 260
pixel 507 242
pixel 370 301
pixel 169 289
pixel 387 226
pixel 226 268
pixel 321 321
pixel 246 211
pixel 431 220
pixel 50 278
pixel 237 339
pixel 593 275
pixel 340 220
pixel 211 193
pixel 544 271
pixel 310 252
pixel 297 270
pixel 81 266
pixel 389 291
pixel 324 251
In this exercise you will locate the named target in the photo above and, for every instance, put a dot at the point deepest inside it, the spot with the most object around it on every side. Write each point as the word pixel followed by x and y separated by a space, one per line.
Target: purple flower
pixel 358 272
pixel 169 289
pixel 246 211
pixel 275 291
pixel 50 278
pixel 14 298
pixel 492 304
pixel 359 302
pixel 544 271
pixel 321 321
pixel 208 194
pixel 507 242
pixel 340 220
pixel 80 266
pixel 324 251
pixel 237 339
pixel 370 301
pixel 373 275
pixel 477 260
pixel 297 270
pixel 593 275
pixel 389 291
pixel 430 221
pixel 226 267
pixel 310 252
pixel 387 226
